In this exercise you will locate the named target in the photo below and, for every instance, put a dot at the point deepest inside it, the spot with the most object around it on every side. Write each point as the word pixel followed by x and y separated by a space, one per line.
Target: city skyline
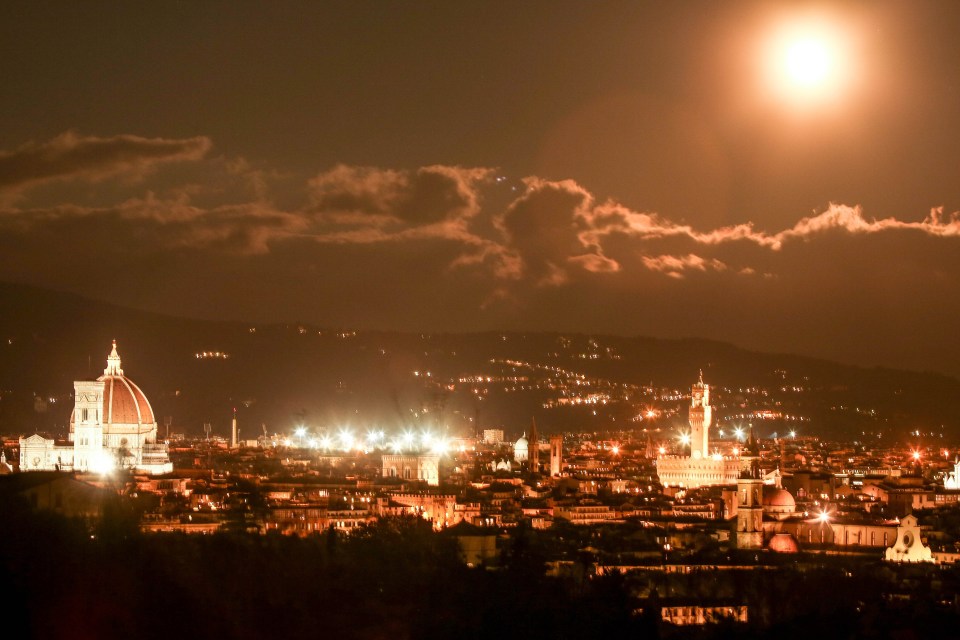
pixel 621 168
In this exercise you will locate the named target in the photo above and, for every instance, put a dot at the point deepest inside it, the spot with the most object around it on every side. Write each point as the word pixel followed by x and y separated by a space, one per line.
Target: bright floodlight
pixel 823 516
pixel 439 446
pixel 739 433
pixel 685 438
pixel 300 431
pixel 102 462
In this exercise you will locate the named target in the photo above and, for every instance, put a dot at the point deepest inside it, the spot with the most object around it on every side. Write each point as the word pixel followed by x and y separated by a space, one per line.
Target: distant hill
pixel 281 375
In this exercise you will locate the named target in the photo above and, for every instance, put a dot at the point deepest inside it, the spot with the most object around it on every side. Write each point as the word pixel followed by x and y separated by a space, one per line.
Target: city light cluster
pixel 346 440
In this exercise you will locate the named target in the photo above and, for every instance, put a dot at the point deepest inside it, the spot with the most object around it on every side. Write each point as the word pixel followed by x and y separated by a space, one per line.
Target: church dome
pixel 123 401
pixel 779 500
pixel 783 542
pixel 124 404
pixel 521 450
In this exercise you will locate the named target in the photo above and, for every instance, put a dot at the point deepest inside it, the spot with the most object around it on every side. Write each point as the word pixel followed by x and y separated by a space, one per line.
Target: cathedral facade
pixel 112 426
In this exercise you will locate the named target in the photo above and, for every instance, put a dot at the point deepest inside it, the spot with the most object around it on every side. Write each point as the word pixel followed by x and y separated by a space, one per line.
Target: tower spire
pixel 113 363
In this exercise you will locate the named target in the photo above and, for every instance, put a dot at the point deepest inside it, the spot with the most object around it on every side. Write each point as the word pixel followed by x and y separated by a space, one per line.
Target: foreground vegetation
pixel 398 579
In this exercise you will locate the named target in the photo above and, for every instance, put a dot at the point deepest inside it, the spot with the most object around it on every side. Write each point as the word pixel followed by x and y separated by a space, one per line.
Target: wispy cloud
pixel 675 266
pixel 71 156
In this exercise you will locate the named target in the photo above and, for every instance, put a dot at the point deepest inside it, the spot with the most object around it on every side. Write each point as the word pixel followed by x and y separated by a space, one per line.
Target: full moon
pixel 806 63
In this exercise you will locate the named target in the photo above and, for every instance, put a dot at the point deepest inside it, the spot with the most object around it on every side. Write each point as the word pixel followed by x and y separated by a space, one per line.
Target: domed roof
pixel 779 498
pixel 123 401
pixel 783 542
pixel 522 443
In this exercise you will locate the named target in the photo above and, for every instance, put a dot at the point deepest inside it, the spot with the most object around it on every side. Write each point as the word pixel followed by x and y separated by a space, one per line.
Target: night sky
pixel 635 168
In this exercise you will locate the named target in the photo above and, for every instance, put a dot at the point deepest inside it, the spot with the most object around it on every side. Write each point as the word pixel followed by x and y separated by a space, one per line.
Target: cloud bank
pixel 453 247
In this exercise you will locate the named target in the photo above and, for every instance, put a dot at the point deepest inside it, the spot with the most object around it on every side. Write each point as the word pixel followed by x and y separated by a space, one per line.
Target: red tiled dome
pixel 783 543
pixel 124 402
pixel 779 498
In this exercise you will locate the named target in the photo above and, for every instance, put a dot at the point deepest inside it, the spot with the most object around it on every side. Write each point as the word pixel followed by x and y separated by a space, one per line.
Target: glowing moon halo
pixel 807 63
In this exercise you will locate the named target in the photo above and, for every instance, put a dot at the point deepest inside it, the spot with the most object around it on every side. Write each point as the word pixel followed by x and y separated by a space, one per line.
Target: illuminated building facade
pixel 424 467
pixel 908 546
pixel 493 436
pixel 112 426
pixel 952 480
pixel 700 468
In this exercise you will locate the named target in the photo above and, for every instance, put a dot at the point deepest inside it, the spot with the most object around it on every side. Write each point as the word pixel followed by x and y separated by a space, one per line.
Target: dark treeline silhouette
pixel 398 579
pixel 393 579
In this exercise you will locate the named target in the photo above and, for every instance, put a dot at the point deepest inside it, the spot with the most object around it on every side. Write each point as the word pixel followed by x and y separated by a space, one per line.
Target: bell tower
pixel 749 533
pixel 88 427
pixel 556 455
pixel 701 417
pixel 534 452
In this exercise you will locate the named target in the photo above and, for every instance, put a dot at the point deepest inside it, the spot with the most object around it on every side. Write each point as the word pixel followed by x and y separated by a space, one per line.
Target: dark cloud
pixel 446 248
pixel 71 156
pixel 427 195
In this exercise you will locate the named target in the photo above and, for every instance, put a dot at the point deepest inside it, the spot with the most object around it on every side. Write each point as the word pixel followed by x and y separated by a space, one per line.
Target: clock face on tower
pixel 907 540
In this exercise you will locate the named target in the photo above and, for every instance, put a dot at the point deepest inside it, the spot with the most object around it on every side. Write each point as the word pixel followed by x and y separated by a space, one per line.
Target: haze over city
pixel 782 176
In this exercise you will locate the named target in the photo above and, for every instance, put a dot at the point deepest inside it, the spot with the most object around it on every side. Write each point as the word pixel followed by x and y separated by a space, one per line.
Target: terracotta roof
pixel 783 543
pixel 124 402
pixel 779 498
